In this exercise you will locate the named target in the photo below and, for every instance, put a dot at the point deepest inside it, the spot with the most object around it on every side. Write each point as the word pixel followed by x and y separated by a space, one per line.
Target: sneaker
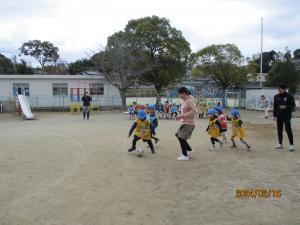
pixel 183 158
pixel 278 146
pixel 156 140
pixel 291 148
pixel 233 146
pixel 131 149
pixel 190 152
pixel 212 148
pixel 153 151
pixel 248 147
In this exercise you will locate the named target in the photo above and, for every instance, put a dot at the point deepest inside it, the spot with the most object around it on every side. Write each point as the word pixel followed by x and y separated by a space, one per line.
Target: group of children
pixel 167 110
pixel 146 123
pixel 217 127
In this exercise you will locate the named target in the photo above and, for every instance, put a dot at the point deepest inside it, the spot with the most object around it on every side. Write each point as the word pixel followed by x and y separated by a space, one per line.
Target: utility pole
pixel 261 52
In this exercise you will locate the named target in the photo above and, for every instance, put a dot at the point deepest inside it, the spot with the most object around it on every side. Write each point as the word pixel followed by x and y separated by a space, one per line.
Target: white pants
pixel 266 112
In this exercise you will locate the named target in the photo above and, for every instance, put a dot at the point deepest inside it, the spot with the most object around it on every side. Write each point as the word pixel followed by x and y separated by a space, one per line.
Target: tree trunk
pixel 123 97
pixel 158 95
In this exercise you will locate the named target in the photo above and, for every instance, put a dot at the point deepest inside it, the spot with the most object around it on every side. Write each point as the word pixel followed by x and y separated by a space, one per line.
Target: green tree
pixel 6 65
pixel 297 54
pixel 80 66
pixel 269 58
pixel 23 68
pixel 44 52
pixel 166 51
pixel 284 73
pixel 223 64
pixel 120 63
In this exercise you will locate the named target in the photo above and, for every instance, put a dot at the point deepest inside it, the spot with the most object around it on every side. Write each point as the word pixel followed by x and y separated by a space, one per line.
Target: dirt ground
pixel 61 170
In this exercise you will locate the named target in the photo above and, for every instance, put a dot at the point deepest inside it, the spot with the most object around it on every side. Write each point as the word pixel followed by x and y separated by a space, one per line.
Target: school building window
pixel 96 89
pixel 60 89
pixel 21 89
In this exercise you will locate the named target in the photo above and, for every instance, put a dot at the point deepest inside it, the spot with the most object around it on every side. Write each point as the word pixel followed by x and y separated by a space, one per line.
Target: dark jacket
pixel 86 100
pixel 287 100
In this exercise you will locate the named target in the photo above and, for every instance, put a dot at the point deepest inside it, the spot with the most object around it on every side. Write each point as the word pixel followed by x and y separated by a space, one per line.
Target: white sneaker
pixel 189 152
pixel 183 158
pixel 278 146
pixel 213 148
pixel 291 148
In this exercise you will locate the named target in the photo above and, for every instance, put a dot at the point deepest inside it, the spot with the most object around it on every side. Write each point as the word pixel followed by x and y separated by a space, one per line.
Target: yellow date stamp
pixel 257 193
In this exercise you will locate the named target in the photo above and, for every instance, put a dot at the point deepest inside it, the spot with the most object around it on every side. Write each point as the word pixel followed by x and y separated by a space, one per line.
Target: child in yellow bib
pixel 237 129
pixel 214 129
pixel 142 129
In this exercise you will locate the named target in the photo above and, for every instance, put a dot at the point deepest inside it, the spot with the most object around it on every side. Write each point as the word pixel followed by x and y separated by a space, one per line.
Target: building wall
pixel 41 93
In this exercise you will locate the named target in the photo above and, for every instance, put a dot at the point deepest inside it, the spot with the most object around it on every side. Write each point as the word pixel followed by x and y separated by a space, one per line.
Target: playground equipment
pixel 24 106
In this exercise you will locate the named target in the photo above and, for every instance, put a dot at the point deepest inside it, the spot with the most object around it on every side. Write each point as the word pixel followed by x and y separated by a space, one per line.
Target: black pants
pixel 288 129
pixel 214 140
pixel 87 114
pixel 174 113
pixel 135 140
pixel 184 146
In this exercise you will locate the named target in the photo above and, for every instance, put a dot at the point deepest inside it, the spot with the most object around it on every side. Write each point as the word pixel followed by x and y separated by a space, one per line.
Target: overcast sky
pixel 78 27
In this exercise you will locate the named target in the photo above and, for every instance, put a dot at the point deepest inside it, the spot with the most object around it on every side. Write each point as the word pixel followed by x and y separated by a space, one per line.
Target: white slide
pixel 25 107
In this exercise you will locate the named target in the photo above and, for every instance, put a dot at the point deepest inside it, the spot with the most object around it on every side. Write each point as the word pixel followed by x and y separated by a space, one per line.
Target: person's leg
pixel 288 129
pixel 183 146
pixel 88 114
pixel 223 135
pixel 245 143
pixel 279 131
pixel 266 113
pixel 134 141
pixel 233 142
pixel 151 146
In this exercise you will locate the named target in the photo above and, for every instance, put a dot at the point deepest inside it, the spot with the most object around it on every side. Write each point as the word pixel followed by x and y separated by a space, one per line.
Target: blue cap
pixel 235 112
pixel 218 108
pixel 142 114
pixel 151 106
pixel 211 111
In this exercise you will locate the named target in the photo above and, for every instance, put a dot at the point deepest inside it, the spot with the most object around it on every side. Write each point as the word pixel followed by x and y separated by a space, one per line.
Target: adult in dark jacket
pixel 284 105
pixel 86 99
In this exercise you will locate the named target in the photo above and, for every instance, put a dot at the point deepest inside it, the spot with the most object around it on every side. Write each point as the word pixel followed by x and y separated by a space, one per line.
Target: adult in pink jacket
pixel 187 117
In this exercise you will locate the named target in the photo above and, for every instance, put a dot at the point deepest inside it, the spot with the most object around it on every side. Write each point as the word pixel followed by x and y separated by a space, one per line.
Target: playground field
pixel 61 170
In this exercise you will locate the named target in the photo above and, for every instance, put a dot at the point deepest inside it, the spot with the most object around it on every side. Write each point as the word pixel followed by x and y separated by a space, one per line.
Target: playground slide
pixel 25 107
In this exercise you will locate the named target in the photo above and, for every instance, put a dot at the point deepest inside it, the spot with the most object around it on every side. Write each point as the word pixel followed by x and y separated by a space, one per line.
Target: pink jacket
pixel 188 111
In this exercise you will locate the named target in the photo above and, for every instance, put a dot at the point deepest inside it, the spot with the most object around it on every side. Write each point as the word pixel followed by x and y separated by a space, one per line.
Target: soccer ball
pixel 140 152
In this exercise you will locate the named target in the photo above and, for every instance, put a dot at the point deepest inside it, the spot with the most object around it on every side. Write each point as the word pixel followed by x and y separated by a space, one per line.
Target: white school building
pixel 51 91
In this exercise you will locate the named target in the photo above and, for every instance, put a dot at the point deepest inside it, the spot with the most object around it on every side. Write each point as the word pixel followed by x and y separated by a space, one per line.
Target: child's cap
pixel 151 106
pixel 235 112
pixel 142 114
pixel 211 111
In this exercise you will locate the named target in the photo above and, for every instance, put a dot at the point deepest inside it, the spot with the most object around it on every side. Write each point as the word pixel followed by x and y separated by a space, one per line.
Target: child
pixel 223 122
pixel 135 109
pixel 174 111
pixel 153 120
pixel 160 111
pixel 214 129
pixel 131 112
pixel 167 109
pixel 143 129
pixel 237 129
pixel 201 110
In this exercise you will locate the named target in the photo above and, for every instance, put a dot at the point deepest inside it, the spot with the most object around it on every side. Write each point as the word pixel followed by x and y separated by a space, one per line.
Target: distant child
pixel 201 110
pixel 214 129
pixel 130 111
pixel 237 129
pixel 135 109
pixel 160 111
pixel 142 129
pixel 174 111
pixel 167 109
pixel 223 122
pixel 153 120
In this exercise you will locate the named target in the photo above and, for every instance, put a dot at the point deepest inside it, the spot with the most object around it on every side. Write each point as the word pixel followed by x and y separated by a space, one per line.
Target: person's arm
pixel 207 128
pixel 219 125
pixel 132 129
pixel 291 104
pixel 240 122
pixel 228 118
pixel 274 107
